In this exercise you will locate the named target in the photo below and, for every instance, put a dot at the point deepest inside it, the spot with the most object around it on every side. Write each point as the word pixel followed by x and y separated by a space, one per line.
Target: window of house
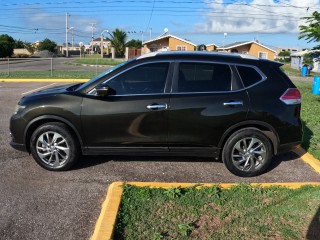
pixel 263 55
pixel 181 48
pixel 143 79
pixel 204 77
pixel 249 75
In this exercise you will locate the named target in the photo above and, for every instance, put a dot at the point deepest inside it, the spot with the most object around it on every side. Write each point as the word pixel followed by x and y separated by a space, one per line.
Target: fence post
pixel 96 66
pixel 9 67
pixel 51 66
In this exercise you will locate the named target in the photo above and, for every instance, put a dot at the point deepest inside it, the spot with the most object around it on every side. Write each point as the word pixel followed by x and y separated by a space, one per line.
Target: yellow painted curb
pixel 308 158
pixel 42 80
pixel 105 224
pixel 107 219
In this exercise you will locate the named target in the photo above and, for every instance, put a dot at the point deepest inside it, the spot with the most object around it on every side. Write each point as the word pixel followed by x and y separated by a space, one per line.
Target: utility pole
pixel 150 33
pixel 92 35
pixel 67 34
pixel 72 37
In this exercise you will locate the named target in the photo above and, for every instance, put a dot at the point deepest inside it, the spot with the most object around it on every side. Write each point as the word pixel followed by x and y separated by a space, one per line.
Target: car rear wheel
pixel 247 153
pixel 54 147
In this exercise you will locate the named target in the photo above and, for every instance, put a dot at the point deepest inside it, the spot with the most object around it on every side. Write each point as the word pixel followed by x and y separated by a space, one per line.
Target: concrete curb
pixel 105 224
pixel 42 80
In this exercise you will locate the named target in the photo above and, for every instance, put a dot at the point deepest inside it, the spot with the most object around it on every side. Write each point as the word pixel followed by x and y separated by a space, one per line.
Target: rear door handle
pixel 156 106
pixel 233 103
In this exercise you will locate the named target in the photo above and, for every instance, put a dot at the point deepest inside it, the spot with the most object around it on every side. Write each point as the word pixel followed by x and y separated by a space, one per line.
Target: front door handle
pixel 233 103
pixel 156 106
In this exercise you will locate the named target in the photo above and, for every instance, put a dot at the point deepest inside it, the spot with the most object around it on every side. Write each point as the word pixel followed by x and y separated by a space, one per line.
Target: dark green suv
pixel 232 107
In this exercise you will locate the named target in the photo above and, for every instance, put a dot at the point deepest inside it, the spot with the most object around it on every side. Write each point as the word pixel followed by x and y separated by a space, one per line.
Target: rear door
pixel 206 100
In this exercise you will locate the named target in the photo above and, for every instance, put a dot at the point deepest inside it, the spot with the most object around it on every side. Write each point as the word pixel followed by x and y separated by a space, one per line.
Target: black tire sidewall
pixel 63 131
pixel 233 139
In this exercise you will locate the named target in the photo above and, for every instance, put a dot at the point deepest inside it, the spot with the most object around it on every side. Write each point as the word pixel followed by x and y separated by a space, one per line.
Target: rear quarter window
pixel 249 75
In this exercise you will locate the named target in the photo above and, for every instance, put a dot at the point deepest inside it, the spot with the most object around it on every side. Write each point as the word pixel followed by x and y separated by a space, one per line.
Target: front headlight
pixel 19 108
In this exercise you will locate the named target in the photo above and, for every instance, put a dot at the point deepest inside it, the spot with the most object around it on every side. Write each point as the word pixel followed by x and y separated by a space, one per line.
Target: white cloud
pixel 265 16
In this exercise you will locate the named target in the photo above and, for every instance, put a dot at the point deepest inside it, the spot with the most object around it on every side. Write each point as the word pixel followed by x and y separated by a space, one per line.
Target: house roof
pixel 212 44
pixel 168 36
pixel 99 40
pixel 239 44
pixel 300 54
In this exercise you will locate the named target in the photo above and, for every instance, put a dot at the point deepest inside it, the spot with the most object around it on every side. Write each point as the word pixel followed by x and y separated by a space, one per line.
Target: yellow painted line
pixel 105 224
pixel 308 158
pixel 42 80
pixel 108 215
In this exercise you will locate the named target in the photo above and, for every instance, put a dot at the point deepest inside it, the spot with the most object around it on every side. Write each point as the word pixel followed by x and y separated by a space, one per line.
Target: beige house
pixel 253 48
pixel 211 47
pixel 168 43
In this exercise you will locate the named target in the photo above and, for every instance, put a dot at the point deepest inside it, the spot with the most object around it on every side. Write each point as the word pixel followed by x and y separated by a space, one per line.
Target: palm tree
pixel 118 41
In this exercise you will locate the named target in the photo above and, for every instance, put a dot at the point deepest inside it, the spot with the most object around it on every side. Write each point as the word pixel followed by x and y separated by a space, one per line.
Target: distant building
pixel 211 47
pixel 252 47
pixel 168 42
pixel 297 59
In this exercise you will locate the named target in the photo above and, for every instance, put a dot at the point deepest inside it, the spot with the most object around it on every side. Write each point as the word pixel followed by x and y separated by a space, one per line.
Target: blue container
pixel 316 85
pixel 304 71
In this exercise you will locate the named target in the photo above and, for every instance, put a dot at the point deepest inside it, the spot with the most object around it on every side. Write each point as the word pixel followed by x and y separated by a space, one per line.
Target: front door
pixel 134 115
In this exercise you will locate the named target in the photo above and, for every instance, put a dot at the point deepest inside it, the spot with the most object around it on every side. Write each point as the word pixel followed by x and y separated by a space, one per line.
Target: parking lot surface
pixel 38 204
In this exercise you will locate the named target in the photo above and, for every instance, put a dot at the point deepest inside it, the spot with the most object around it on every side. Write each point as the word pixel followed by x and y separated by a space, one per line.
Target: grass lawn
pixel 242 212
pixel 290 71
pixel 98 61
pixel 310 115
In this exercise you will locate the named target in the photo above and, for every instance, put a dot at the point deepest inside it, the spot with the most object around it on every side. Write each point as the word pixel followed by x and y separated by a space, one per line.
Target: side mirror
pixel 104 91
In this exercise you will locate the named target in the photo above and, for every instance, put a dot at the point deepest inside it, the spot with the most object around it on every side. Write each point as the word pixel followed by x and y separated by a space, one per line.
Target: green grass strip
pixel 241 212
pixel 310 114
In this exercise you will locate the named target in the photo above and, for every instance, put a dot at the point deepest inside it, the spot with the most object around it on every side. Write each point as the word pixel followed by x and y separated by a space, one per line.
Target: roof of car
pixel 198 53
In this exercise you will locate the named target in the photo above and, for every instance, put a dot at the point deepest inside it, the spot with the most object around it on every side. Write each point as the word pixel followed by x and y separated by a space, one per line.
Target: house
pixel 168 42
pixel 97 42
pixel 297 59
pixel 252 47
pixel 211 47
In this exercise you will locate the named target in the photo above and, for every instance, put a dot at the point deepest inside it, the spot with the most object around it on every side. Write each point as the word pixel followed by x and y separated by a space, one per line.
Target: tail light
pixel 291 96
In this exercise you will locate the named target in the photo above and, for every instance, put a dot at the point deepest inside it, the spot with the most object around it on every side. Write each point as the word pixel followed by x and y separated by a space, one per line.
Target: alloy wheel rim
pixel 53 149
pixel 248 154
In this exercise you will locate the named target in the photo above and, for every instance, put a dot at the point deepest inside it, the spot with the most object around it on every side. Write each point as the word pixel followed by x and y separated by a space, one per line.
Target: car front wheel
pixel 247 153
pixel 54 147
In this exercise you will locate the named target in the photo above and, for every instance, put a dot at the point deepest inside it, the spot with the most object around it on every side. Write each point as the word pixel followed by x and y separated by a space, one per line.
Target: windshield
pixel 104 74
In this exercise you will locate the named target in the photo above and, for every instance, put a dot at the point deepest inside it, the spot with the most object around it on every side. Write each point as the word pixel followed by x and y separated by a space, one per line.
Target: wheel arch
pixel 263 127
pixel 38 121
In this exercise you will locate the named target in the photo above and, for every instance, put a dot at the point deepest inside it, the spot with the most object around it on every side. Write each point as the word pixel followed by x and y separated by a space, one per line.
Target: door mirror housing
pixel 104 91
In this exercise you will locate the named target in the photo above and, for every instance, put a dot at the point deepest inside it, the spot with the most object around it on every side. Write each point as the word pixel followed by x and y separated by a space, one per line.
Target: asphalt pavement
pixel 38 204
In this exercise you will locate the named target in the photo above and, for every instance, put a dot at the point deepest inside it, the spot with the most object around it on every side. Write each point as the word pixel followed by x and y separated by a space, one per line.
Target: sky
pixel 274 23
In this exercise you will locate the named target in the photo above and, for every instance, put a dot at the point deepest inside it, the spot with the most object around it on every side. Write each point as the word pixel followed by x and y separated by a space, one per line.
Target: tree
pixel 30 47
pixel 134 43
pixel 18 44
pixel 47 44
pixel 311 32
pixel 6 45
pixel 118 41
pixel 284 54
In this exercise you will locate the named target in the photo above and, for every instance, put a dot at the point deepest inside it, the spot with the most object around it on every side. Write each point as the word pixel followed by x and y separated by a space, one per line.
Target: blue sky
pixel 273 23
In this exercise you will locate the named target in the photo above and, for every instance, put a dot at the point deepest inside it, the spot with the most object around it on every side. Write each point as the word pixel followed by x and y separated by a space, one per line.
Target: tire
pixel 54 147
pixel 247 153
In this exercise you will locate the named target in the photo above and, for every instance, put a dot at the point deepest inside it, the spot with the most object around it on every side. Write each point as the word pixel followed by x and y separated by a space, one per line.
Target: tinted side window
pixel 249 75
pixel 144 79
pixel 204 77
